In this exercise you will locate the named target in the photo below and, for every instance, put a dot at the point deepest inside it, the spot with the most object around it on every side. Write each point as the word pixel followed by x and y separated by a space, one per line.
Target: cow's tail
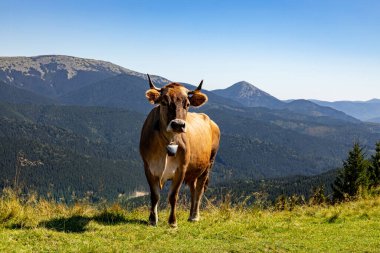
pixel 212 160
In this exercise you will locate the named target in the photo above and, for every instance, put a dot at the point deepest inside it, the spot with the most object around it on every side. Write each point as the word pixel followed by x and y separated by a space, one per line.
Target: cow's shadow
pixel 78 223
pixel 73 224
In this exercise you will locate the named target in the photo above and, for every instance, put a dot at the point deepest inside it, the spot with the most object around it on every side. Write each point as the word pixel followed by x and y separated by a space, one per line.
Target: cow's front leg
pixel 154 199
pixel 154 185
pixel 173 195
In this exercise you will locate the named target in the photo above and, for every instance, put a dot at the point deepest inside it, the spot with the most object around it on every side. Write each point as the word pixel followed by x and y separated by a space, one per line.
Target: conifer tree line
pixel 358 174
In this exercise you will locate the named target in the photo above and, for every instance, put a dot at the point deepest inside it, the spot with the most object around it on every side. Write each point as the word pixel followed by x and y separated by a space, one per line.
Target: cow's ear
pixel 152 95
pixel 198 99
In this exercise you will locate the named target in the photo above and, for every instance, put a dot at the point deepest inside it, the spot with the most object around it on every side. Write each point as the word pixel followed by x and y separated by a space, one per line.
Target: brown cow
pixel 197 137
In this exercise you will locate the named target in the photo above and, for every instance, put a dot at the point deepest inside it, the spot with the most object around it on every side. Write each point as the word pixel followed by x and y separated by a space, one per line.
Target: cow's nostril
pixel 178 125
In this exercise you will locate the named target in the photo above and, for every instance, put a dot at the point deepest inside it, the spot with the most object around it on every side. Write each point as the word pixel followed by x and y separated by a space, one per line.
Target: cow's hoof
pixel 173 225
pixel 193 219
pixel 152 222
pixel 153 219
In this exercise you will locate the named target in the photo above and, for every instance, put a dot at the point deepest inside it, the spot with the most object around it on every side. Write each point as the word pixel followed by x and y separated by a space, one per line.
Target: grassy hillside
pixel 35 225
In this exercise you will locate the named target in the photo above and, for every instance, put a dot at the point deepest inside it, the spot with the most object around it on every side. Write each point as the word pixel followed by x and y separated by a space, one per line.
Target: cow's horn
pixel 151 85
pixel 197 89
pixel 199 86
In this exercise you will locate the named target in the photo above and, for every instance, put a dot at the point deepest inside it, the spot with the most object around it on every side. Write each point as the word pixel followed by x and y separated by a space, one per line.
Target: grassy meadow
pixel 36 225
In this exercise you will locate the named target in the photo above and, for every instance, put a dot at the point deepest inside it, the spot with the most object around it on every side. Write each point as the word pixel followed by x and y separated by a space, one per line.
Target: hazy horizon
pixel 325 50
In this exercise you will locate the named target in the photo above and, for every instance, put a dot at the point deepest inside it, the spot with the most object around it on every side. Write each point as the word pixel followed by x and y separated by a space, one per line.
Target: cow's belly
pixel 164 170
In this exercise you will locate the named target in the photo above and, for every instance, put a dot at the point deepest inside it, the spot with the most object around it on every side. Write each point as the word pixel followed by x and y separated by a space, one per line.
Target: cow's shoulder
pixel 198 116
pixel 152 119
pixel 151 127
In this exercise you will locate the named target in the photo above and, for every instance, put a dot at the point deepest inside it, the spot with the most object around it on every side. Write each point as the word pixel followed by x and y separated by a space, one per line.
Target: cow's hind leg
pixel 198 193
pixel 192 186
pixel 200 187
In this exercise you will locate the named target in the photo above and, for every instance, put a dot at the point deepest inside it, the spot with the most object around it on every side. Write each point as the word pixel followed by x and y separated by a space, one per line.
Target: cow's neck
pixel 170 138
pixel 173 138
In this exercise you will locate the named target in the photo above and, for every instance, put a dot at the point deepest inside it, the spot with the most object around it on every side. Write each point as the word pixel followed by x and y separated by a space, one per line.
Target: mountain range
pixel 55 75
pixel 72 80
pixel 250 96
pixel 363 110
pixel 82 119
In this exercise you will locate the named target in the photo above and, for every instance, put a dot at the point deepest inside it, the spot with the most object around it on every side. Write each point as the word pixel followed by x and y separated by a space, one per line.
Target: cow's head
pixel 174 100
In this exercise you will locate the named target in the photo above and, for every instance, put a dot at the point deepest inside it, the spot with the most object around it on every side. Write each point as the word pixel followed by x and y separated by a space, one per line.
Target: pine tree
pixel 353 177
pixel 375 167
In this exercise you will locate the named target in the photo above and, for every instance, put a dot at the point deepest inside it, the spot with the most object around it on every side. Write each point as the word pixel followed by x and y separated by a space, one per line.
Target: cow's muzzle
pixel 177 126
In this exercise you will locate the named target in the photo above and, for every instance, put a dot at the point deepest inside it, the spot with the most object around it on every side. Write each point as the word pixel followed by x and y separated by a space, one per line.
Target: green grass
pixel 35 225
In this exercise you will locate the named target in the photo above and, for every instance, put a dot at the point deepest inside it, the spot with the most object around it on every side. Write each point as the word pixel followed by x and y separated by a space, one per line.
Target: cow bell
pixel 171 149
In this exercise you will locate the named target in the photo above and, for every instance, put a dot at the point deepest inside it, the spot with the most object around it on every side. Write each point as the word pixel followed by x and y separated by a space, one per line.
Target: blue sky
pixel 318 49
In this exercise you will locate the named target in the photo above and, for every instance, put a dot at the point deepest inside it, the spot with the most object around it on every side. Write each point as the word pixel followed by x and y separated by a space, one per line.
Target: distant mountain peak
pixel 249 95
pixel 246 89
pixel 244 84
